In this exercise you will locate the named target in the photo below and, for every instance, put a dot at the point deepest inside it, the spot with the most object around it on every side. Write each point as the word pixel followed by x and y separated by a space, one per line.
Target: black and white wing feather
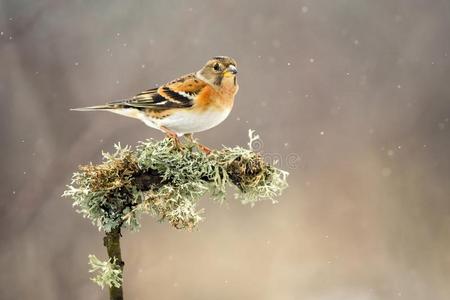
pixel 180 93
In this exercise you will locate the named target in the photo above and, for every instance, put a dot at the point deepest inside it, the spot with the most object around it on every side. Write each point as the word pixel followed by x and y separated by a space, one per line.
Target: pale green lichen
pixel 163 180
pixel 159 179
pixel 107 272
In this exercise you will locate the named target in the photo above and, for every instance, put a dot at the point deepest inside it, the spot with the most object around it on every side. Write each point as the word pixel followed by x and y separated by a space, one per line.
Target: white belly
pixel 188 122
pixel 180 122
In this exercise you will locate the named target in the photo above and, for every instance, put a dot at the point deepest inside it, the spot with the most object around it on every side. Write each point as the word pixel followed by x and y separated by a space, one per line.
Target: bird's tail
pixel 93 108
pixel 107 106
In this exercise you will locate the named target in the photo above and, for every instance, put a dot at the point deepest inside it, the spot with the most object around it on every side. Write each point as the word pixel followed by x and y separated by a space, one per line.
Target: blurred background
pixel 351 96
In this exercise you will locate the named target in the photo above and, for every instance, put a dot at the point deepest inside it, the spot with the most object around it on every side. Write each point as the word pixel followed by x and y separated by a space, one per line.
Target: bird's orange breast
pixel 209 98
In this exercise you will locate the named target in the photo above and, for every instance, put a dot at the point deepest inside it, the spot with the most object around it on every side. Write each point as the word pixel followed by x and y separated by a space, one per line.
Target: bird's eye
pixel 216 67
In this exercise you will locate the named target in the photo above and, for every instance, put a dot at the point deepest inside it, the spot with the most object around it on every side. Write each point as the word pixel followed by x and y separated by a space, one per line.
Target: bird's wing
pixel 179 93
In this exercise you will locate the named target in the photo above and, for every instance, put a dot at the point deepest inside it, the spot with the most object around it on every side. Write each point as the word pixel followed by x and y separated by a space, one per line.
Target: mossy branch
pixel 159 179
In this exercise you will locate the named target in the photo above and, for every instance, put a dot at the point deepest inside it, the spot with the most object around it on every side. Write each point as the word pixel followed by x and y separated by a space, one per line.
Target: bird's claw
pixel 204 149
pixel 174 137
pixel 176 141
pixel 201 147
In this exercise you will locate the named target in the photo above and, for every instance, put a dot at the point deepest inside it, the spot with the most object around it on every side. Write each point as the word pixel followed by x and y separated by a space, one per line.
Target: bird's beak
pixel 230 71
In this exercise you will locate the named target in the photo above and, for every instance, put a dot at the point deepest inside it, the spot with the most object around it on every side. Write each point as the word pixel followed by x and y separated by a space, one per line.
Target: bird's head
pixel 219 71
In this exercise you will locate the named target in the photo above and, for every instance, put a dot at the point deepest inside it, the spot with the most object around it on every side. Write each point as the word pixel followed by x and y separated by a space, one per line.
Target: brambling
pixel 192 103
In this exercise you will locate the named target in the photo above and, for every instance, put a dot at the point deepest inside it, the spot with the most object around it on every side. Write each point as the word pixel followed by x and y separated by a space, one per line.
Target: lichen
pixel 107 272
pixel 163 180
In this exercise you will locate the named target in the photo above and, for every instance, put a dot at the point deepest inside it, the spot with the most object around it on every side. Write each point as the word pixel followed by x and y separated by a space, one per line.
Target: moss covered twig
pixel 160 179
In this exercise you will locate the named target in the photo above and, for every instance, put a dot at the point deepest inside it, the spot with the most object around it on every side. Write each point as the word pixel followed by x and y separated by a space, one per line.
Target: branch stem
pixel 112 244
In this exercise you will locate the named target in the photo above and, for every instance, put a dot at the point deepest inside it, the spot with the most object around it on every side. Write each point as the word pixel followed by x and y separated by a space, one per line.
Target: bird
pixel 192 103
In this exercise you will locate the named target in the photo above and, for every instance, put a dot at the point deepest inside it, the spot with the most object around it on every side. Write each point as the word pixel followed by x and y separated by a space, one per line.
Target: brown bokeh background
pixel 352 96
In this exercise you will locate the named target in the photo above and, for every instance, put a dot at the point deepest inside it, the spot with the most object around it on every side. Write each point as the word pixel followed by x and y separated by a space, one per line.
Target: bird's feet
pixel 173 136
pixel 201 147
pixel 204 149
